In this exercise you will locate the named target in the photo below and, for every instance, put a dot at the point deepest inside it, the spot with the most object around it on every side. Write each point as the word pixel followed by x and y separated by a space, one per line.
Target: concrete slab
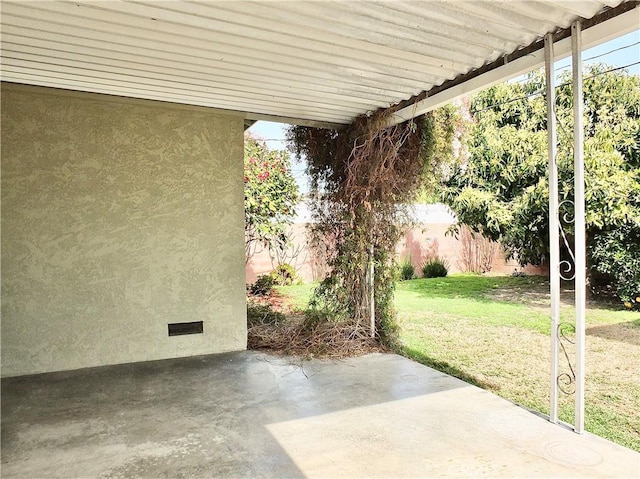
pixel 254 415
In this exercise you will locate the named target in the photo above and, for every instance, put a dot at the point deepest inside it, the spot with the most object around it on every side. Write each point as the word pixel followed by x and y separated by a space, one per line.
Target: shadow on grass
pixel 628 332
pixel 478 288
pixel 446 368
pixel 524 290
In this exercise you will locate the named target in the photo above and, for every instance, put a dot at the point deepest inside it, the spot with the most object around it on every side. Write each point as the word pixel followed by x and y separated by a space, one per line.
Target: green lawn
pixel 494 332
pixel 298 294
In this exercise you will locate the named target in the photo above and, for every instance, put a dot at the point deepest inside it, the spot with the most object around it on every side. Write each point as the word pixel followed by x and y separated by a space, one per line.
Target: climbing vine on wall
pixel 362 178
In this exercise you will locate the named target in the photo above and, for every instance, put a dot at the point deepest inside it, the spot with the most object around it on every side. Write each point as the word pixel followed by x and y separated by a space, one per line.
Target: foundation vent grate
pixel 178 329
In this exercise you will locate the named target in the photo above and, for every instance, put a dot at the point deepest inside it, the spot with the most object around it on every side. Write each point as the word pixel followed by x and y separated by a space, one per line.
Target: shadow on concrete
pixel 250 414
pixel 200 416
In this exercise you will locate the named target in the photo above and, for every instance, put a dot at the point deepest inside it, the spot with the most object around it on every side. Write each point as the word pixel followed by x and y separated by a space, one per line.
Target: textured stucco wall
pixel 118 217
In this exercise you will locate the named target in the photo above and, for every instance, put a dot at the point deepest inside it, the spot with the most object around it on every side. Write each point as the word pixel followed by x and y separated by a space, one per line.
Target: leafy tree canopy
pixel 502 190
pixel 270 196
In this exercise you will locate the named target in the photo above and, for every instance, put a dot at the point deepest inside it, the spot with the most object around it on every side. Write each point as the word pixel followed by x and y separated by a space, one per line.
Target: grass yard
pixel 494 332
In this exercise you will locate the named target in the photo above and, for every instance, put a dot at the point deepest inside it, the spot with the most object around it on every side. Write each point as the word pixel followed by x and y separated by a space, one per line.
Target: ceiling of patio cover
pixel 306 62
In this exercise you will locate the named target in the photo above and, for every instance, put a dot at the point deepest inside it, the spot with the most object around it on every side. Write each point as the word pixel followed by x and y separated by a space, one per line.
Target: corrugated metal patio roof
pixel 307 62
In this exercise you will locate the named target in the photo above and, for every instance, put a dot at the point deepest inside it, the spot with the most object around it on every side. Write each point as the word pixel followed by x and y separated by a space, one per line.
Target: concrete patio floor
pixel 250 414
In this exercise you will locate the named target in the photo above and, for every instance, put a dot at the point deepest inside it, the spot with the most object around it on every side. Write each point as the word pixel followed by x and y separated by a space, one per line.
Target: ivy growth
pixel 361 179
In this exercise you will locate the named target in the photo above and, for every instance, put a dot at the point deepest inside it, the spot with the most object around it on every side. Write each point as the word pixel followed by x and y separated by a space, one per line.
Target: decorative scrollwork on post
pixel 568 216
pixel 566 267
pixel 567 272
pixel 566 381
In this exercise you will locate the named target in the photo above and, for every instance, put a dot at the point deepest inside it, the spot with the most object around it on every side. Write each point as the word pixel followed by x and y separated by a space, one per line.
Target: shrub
pixel 262 314
pixel 616 253
pixel 263 285
pixel 435 268
pixel 406 270
pixel 284 274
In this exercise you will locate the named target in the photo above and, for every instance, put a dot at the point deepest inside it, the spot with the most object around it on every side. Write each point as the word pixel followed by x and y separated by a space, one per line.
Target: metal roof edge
pixel 602 27
pixel 294 121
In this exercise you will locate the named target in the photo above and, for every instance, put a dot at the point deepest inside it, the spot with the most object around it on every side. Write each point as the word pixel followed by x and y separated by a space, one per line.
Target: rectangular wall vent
pixel 178 329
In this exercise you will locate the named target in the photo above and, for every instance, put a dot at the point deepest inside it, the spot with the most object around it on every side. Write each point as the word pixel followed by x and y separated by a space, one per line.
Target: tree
pixel 270 196
pixel 444 146
pixel 502 190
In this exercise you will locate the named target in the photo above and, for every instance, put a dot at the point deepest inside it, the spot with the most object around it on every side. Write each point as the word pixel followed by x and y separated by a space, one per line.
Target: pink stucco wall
pixel 419 244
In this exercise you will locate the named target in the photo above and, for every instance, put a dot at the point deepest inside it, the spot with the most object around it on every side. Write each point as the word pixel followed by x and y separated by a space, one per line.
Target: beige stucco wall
pixel 118 217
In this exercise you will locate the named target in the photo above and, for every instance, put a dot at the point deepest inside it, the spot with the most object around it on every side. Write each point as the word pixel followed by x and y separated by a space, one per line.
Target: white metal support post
pixel 554 226
pixel 372 295
pixel 580 235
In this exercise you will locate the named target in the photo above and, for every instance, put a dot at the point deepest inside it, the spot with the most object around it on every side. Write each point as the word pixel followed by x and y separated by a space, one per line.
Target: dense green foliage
pixel 435 268
pixel 617 253
pixel 406 270
pixel 284 274
pixel 445 131
pixel 270 196
pixel 263 285
pixel 502 191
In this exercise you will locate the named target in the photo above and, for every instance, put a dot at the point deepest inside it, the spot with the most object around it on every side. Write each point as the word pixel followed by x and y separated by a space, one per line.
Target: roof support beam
pixel 554 227
pixel 580 241
pixel 294 121
pixel 601 28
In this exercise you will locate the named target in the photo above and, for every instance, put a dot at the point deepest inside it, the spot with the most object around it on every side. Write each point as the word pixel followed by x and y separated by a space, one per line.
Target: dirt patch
pixel 628 332
pixel 538 296
pixel 274 300
pixel 535 294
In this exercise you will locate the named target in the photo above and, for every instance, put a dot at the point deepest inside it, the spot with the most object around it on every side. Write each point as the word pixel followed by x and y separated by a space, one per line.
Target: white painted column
pixel 580 234
pixel 554 226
